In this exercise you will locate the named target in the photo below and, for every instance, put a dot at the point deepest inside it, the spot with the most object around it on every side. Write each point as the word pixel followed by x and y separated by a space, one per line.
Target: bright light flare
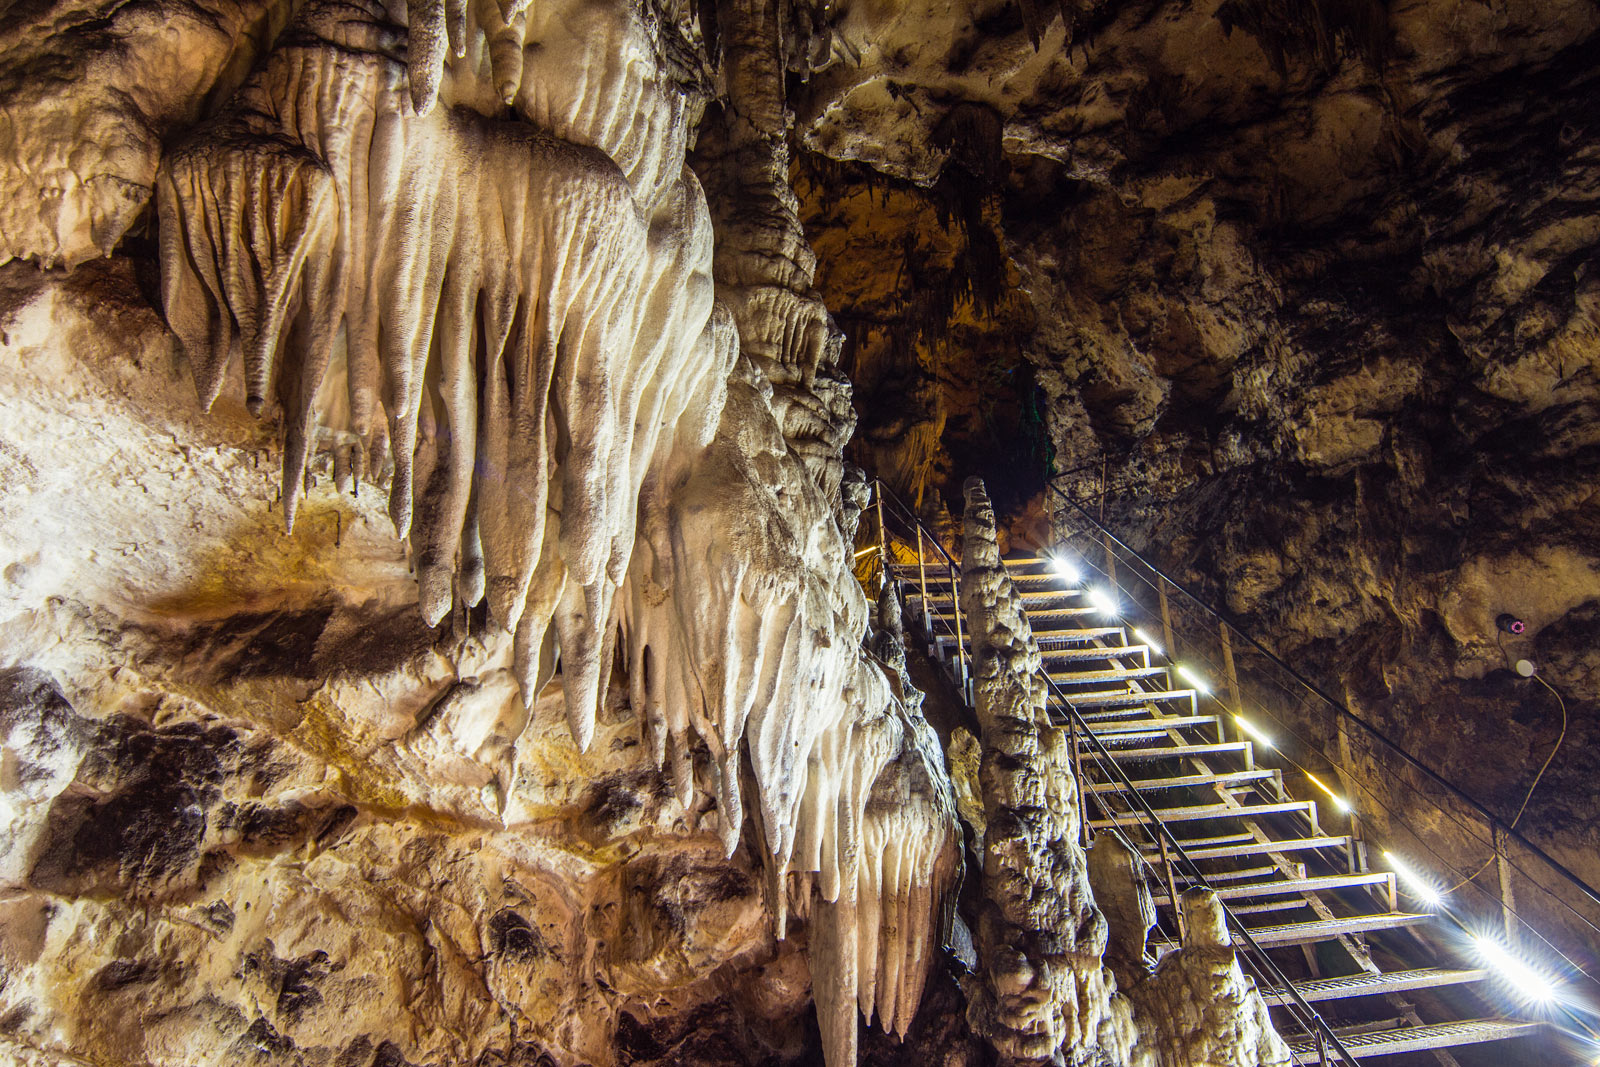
pixel 1338 801
pixel 1414 883
pixel 1255 732
pixel 1103 602
pixel 1194 679
pixel 1066 569
pixel 1144 639
pixel 1526 981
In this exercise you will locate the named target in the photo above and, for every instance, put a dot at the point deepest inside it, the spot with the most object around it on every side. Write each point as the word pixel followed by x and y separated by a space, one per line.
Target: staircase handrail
pixel 1318 1026
pixel 1195 876
pixel 1339 707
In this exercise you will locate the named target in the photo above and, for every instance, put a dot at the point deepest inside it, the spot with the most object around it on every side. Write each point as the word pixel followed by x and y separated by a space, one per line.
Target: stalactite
pixel 521 334
pixel 496 295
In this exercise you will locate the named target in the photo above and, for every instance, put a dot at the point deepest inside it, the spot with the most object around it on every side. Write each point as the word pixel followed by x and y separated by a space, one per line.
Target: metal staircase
pixel 1350 969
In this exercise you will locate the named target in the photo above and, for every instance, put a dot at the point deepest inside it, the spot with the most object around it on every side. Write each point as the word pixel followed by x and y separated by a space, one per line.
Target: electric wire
pixel 1194 875
pixel 1472 829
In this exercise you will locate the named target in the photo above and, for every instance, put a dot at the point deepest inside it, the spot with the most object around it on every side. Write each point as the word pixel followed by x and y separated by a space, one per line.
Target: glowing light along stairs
pixel 1301 888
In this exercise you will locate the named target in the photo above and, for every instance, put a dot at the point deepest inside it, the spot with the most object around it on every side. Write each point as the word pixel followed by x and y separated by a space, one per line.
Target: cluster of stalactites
pixel 501 323
pixel 597 74
pixel 523 339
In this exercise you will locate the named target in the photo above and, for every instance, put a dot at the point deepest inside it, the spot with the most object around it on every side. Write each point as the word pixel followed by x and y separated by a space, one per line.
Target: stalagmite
pixel 1198 1007
pixel 1042 990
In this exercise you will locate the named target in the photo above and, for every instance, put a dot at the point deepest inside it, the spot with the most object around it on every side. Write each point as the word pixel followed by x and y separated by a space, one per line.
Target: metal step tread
pixel 1112 698
pixel 1087 633
pixel 1326 929
pixel 1255 848
pixel 1366 985
pixel 1092 653
pixel 1183 781
pixel 1168 722
pixel 1192 812
pixel 1429 1036
pixel 1176 751
pixel 1296 885
pixel 1112 675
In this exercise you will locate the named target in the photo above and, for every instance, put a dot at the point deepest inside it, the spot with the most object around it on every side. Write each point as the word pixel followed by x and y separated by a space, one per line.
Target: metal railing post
pixel 1508 902
pixel 922 583
pixel 1231 676
pixel 1077 778
pixel 1171 646
pixel 1172 883
pixel 883 534
pixel 961 645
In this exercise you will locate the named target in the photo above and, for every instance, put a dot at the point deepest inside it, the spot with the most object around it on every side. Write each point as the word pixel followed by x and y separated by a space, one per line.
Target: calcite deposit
pixel 1301 294
pixel 428 623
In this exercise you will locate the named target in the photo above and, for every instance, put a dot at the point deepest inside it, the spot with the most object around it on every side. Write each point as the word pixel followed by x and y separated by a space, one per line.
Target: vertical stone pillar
pixel 1041 991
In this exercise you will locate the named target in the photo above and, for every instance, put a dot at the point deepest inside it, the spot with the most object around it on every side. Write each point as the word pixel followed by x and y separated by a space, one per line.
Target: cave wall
pixel 429 626
pixel 1310 300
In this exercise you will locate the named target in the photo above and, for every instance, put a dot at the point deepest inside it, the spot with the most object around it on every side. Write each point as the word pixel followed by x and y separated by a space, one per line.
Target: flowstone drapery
pixel 520 335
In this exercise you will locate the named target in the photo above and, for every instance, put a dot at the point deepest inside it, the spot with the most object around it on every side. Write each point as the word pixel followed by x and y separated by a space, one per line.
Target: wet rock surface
pixel 1309 309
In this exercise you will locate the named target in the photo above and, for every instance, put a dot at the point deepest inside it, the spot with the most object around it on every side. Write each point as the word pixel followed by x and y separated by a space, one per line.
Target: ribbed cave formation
pixel 520 336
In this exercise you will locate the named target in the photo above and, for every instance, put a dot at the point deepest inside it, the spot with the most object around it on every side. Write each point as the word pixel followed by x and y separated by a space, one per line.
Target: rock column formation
pixel 1041 990
pixel 1198 1006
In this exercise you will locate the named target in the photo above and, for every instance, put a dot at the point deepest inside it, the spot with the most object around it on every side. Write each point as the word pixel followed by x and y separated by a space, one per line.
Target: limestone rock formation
pixel 509 323
pixel 1042 990
pixel 427 607
pixel 1205 1009
pixel 1305 296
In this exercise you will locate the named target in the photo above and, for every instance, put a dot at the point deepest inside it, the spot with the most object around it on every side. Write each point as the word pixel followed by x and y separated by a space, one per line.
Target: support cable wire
pixel 1341 709
pixel 1398 817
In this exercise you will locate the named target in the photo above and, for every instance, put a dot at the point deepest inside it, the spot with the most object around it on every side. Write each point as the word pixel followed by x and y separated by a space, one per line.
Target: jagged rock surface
pixel 1203 1008
pixel 1309 296
pixel 510 323
pixel 1042 989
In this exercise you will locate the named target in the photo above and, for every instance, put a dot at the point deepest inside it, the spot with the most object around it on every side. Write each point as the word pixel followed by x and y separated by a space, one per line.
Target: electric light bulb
pixel 1103 601
pixel 1338 801
pixel 1255 734
pixel 1524 979
pixel 1414 883
pixel 1144 639
pixel 1194 679
pixel 1066 570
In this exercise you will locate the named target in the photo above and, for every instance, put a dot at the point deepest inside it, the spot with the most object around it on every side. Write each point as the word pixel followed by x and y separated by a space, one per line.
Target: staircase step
pixel 1111 698
pixel 1327 929
pixel 1176 751
pixel 1298 885
pixel 1205 811
pixel 1366 985
pixel 1418 1038
pixel 1183 781
pixel 1093 653
pixel 1139 726
pixel 1218 877
pixel 1047 638
pixel 1252 847
pixel 1112 675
